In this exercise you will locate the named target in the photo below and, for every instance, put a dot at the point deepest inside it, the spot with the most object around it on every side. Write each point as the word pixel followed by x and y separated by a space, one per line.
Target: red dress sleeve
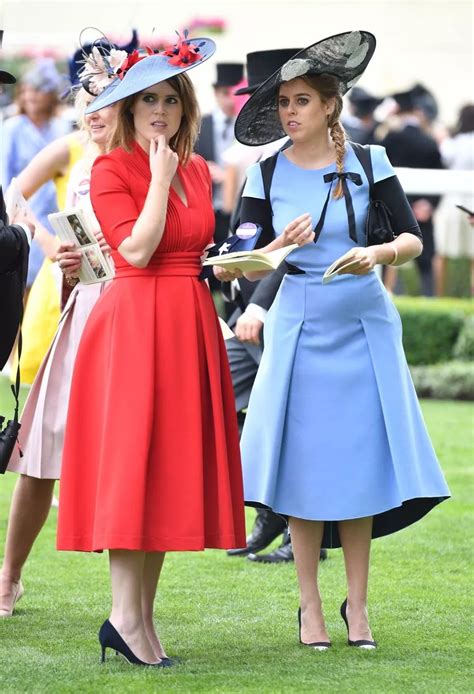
pixel 111 197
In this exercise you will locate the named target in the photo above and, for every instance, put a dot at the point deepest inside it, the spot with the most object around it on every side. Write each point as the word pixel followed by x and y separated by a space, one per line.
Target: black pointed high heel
pixel 164 662
pixel 110 638
pixel 317 645
pixel 361 643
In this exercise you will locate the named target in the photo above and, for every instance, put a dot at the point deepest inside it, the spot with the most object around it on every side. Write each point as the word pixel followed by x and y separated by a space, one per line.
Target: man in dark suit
pixel 15 242
pixel 361 125
pixel 411 146
pixel 217 135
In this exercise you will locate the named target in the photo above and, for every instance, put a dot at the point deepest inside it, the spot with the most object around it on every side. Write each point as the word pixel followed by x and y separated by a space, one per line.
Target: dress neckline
pixel 328 167
pixel 145 161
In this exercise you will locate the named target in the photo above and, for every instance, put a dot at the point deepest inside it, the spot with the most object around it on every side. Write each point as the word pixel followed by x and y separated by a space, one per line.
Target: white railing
pixel 435 181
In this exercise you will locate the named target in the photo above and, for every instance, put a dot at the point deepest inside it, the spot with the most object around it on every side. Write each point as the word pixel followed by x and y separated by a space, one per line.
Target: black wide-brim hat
pixel 345 56
pixel 7 77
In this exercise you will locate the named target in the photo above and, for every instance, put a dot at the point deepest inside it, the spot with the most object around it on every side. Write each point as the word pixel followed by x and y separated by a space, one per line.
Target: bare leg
pixel 29 510
pixel 126 573
pixel 440 265
pixel 151 574
pixel 355 537
pixel 306 539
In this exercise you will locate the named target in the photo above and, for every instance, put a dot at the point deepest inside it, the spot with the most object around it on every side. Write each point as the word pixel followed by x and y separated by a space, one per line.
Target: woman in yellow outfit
pixel 43 307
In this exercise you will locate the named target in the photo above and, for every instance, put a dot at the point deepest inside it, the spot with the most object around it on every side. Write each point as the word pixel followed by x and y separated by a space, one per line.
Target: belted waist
pixel 182 264
pixel 293 270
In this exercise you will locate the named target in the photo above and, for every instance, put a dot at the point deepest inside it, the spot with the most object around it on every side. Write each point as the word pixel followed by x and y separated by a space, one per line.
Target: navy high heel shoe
pixel 317 645
pixel 110 638
pixel 164 662
pixel 361 643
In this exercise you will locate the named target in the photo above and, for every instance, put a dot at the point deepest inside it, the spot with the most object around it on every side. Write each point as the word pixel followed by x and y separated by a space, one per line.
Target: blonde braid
pixel 328 87
pixel 338 136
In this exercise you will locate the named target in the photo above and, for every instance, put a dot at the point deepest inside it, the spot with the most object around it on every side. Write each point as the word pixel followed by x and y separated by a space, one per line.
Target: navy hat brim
pixel 345 56
pixel 247 90
pixel 151 70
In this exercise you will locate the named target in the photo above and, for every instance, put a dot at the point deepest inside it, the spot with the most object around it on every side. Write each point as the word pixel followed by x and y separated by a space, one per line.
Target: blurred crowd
pixel 38 117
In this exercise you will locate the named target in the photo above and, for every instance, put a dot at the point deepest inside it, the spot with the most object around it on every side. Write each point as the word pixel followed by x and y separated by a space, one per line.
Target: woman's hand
pixel 367 260
pixel 68 260
pixel 163 161
pixel 103 245
pixel 299 231
pixel 226 275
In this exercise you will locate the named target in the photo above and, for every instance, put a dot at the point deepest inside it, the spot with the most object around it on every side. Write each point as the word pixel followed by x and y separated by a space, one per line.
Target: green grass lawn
pixel 233 624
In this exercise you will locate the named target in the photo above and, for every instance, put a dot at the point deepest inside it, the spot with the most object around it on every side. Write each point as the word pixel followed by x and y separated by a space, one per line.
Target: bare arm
pixel 405 247
pixel 147 231
pixel 299 231
pixel 50 161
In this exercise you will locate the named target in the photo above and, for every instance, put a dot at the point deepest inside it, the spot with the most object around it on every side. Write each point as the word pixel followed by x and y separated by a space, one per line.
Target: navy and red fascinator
pixel 124 74
pixel 344 55
pixel 77 61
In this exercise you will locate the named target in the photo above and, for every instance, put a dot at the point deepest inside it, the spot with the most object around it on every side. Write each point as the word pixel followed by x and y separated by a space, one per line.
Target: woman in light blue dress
pixel 334 438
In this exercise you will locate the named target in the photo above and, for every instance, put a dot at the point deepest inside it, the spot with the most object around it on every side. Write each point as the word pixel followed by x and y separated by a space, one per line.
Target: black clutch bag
pixel 378 225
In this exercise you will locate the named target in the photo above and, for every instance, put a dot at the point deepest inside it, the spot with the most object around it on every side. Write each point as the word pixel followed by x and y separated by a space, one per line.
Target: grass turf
pixel 233 623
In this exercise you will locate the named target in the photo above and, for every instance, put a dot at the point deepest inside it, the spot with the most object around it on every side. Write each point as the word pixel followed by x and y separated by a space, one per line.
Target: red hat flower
pixel 183 53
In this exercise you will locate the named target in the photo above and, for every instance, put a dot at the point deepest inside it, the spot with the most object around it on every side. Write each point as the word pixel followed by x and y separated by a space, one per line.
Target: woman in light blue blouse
pixel 334 439
pixel 24 135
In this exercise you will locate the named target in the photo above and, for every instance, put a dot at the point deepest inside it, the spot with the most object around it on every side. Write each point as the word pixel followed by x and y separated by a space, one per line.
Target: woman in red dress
pixel 151 458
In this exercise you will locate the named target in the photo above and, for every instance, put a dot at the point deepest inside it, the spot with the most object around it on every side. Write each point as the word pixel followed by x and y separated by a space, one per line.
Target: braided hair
pixel 328 87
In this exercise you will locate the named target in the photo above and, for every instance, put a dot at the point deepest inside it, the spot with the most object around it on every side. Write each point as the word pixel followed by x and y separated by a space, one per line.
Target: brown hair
pixel 50 110
pixel 328 87
pixel 183 142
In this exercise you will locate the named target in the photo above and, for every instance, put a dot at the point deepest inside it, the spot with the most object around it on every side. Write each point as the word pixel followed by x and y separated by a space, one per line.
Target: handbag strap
pixel 362 153
pixel 16 386
pixel 267 167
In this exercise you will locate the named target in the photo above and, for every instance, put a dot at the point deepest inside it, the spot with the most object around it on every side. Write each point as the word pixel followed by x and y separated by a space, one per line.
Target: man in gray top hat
pixel 217 135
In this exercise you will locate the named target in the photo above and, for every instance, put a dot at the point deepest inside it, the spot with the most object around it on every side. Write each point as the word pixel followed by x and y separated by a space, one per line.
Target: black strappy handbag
pixel 378 225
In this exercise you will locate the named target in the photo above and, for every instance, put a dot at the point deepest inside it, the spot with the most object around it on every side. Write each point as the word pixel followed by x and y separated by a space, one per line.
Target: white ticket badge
pixel 247 230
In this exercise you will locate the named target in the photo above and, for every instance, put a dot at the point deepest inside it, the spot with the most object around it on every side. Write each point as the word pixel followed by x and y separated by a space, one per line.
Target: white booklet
pixel 74 226
pixel 255 261
pixel 342 263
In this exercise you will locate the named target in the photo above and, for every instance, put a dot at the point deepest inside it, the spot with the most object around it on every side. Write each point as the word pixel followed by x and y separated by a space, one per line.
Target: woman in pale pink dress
pixel 44 416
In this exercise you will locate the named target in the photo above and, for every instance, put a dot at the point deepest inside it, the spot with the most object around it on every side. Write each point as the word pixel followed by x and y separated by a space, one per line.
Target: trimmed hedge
pixel 432 327
pixel 451 381
pixel 464 347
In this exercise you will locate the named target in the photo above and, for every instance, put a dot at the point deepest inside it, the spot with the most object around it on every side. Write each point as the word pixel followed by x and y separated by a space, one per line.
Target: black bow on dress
pixel 345 176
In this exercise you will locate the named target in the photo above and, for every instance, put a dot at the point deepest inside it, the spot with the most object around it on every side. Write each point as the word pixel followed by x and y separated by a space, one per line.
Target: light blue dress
pixel 334 429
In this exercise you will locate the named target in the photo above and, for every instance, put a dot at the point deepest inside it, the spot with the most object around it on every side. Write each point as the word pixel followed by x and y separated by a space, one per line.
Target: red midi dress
pixel 151 457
